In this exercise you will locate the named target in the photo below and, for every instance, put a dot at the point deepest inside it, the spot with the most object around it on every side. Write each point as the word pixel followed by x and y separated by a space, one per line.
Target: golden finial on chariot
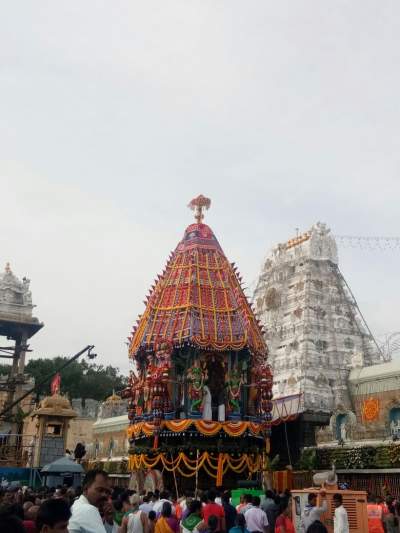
pixel 197 205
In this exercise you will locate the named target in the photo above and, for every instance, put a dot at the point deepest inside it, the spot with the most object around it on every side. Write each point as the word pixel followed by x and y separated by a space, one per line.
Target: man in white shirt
pixel 311 512
pixel 256 518
pixel 247 503
pixel 340 519
pixel 146 506
pixel 164 497
pixel 85 511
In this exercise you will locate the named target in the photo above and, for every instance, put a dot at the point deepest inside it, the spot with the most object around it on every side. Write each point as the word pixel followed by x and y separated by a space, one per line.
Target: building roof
pixel 114 423
pixel 55 405
pixel 374 372
pixel 198 300
pixel 63 465
pixel 114 398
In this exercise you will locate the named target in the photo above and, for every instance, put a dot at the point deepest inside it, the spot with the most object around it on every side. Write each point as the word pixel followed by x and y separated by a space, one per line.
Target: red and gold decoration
pixel 370 410
pixel 202 377
pixel 198 300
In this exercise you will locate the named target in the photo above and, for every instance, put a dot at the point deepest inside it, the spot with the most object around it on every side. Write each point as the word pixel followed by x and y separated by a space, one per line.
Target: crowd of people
pixel 383 514
pixel 96 508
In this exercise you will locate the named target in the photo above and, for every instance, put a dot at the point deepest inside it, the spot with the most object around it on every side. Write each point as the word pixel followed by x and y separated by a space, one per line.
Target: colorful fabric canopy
pixel 198 300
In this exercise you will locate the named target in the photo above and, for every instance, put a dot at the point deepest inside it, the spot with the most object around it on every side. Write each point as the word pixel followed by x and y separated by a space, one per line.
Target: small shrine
pixel 52 424
pixel 200 398
pixel 112 406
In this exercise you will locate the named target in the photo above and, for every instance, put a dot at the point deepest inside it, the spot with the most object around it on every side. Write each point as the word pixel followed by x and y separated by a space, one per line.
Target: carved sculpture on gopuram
pixel 200 394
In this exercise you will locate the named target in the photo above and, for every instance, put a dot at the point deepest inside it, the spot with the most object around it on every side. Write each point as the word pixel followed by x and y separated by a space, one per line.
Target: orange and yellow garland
pixel 207 428
pixel 215 467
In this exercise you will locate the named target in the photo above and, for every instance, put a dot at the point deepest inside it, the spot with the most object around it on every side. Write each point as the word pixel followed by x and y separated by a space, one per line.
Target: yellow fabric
pixel 162 526
pixel 207 428
pixel 177 425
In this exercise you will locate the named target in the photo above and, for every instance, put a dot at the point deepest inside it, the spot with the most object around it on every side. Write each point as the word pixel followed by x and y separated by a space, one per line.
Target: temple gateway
pixel 316 335
pixel 200 395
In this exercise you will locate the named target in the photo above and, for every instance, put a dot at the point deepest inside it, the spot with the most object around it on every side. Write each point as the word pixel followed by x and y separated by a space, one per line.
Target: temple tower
pixel 315 331
pixel 18 325
pixel 200 398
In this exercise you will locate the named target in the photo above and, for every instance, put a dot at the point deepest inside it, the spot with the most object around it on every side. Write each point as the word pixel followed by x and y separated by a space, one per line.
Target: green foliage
pixel 4 369
pixel 394 454
pixel 356 457
pixel 80 379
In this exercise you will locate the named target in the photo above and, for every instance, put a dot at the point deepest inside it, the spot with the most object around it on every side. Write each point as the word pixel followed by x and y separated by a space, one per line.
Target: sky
pixel 114 115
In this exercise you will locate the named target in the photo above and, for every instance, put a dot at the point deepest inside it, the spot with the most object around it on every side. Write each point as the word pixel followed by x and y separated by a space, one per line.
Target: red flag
pixel 55 384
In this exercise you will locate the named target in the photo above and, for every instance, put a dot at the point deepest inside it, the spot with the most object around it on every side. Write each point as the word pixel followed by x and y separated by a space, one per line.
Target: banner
pixel 370 410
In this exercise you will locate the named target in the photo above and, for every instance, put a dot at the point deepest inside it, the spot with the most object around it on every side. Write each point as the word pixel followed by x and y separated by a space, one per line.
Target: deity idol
pixel 234 382
pixel 196 377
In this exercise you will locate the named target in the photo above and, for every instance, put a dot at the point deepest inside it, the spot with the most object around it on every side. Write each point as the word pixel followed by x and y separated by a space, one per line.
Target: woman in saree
pixel 167 523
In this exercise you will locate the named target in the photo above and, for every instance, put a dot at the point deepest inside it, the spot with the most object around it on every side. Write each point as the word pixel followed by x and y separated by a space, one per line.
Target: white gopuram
pixel 315 332
pixel 16 320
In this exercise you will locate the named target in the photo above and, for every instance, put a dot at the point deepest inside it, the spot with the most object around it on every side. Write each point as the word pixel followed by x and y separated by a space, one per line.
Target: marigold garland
pixel 215 467
pixel 207 428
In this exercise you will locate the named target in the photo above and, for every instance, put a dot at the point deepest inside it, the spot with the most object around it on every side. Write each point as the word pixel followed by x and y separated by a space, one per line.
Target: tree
pixel 79 379
pixel 4 369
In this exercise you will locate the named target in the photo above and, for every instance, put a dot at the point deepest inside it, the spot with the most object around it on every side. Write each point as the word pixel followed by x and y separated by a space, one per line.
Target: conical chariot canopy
pixel 198 299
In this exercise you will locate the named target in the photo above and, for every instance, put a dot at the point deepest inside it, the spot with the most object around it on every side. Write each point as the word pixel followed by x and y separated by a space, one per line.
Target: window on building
pixel 349 343
pixel 321 345
pixel 54 429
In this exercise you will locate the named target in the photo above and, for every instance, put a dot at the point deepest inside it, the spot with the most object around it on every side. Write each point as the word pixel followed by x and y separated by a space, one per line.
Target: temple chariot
pixel 200 397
